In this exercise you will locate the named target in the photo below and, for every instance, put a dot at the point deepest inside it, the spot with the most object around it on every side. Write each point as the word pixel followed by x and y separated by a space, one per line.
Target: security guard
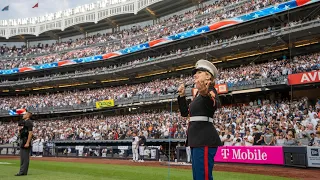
pixel 25 143
pixel 202 136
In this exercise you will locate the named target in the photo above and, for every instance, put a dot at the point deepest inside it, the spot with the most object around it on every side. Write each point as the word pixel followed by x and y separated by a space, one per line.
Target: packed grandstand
pixel 283 115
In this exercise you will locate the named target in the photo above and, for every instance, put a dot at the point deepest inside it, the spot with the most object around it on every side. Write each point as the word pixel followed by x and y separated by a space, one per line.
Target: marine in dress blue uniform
pixel 202 136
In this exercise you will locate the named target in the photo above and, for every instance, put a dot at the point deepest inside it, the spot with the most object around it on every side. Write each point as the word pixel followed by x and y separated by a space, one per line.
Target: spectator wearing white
pixel 303 136
pixel 237 140
pixel 242 130
pixel 227 139
pixel 135 147
pixel 188 150
pixel 317 139
pixel 41 142
pixel 315 119
pixel 35 147
pixel 247 139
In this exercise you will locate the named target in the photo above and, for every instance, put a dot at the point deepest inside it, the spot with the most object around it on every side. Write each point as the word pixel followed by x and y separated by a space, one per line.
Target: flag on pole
pixel 35 6
pixel 5 8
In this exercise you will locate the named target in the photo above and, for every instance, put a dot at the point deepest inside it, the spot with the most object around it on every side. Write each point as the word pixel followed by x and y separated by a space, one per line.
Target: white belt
pixel 201 118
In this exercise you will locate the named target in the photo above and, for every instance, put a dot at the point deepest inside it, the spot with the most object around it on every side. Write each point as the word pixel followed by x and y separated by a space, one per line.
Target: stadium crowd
pixel 129 37
pixel 240 75
pixel 178 52
pixel 261 122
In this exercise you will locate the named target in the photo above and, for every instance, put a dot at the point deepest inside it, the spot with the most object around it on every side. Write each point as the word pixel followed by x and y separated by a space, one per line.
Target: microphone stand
pixel 171 119
pixel 171 107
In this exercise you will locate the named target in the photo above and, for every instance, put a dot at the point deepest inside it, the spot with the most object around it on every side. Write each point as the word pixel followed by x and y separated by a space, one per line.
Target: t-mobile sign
pixel 250 154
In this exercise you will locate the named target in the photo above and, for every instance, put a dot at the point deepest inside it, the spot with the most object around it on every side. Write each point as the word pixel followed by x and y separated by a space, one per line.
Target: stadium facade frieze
pixel 89 13
pixel 271 10
pixel 161 63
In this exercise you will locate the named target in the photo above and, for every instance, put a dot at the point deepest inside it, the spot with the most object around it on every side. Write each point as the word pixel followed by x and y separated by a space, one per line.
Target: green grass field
pixel 45 170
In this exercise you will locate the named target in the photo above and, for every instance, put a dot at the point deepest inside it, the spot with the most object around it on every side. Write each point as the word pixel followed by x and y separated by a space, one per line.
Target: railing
pixel 93 151
pixel 151 98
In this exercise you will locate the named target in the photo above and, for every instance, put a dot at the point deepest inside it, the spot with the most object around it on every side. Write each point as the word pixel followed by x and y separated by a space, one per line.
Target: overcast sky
pixel 23 8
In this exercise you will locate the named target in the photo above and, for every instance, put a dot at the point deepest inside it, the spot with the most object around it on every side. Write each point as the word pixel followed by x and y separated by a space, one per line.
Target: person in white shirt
pixel 41 147
pixel 317 139
pixel 242 130
pixel 188 150
pixel 35 147
pixel 247 139
pixel 237 140
pixel 227 139
pixel 135 147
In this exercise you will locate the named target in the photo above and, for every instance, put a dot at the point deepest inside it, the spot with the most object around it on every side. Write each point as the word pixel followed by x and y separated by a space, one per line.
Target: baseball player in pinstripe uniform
pixel 135 147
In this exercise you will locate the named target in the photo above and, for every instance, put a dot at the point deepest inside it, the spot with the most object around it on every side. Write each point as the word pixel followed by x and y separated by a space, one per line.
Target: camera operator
pixel 237 141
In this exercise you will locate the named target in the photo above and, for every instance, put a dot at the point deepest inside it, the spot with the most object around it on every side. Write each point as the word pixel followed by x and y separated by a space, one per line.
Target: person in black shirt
pixel 25 135
pixel 202 137
pixel 257 137
pixel 142 142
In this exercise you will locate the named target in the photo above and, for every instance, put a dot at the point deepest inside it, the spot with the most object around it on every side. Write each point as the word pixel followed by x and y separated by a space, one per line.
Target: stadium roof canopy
pixel 144 12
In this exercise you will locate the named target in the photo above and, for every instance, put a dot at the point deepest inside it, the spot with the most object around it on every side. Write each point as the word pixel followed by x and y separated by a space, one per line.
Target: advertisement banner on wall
pixel 250 154
pixel 304 78
pixel 313 156
pixel 105 103
pixel 221 88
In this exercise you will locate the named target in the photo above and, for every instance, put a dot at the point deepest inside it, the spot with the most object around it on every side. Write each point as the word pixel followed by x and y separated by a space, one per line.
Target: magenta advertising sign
pixel 250 154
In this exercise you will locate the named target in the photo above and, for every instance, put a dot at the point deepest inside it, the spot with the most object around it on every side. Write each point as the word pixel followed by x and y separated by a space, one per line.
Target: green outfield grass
pixel 46 170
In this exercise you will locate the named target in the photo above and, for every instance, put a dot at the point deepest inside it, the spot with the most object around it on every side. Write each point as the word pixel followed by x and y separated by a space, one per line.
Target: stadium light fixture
pixel 41 88
pixel 306 44
pixel 70 85
pixel 147 75
pixel 114 80
pixel 215 62
pixel 184 67
pixel 151 12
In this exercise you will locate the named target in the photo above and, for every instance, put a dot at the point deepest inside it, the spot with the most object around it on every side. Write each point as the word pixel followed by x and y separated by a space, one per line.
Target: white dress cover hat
pixel 206 65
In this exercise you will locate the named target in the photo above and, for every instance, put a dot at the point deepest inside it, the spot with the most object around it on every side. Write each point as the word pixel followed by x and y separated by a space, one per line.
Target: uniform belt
pixel 201 118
